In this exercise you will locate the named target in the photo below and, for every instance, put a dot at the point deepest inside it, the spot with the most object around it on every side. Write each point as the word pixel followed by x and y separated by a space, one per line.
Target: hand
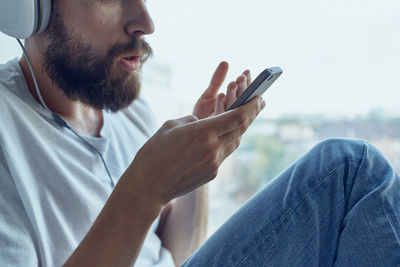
pixel 186 153
pixel 210 103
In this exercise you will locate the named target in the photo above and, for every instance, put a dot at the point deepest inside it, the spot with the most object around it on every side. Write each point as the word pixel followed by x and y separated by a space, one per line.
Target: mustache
pixel 134 46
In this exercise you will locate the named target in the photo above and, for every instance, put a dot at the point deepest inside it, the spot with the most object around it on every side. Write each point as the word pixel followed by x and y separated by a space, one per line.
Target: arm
pixel 116 237
pixel 187 153
pixel 185 228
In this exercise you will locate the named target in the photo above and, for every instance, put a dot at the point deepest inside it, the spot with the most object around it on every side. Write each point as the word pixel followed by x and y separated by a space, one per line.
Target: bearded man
pixel 87 180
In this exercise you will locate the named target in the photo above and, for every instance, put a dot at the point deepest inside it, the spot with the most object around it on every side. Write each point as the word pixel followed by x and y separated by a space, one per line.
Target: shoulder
pixel 7 98
pixel 10 71
pixel 16 103
pixel 11 82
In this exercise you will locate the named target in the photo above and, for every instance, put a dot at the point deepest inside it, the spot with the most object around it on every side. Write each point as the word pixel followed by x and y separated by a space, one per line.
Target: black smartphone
pixel 258 86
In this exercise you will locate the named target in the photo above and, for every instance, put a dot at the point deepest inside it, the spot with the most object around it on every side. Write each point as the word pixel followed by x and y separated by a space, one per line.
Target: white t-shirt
pixel 52 185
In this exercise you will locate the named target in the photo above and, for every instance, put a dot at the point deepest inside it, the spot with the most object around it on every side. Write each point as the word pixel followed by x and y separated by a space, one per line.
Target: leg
pixel 338 205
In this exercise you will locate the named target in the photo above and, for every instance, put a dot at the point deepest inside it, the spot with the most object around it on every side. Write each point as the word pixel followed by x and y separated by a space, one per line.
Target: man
pixel 337 205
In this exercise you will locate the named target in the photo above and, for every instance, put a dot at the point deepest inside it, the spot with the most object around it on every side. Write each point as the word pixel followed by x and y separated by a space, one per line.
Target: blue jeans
pixel 339 205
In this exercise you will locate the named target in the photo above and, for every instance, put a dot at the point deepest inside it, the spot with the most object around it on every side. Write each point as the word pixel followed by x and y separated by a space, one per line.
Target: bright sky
pixel 338 56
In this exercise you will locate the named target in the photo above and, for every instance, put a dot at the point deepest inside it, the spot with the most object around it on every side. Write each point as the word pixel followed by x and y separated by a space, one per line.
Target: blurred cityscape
pixel 271 145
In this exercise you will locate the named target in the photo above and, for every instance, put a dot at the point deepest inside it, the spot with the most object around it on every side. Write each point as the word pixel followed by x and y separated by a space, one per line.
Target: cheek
pixel 98 26
pixel 108 17
pixel 106 23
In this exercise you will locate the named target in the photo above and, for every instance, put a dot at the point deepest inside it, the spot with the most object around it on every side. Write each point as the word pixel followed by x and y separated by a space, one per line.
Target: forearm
pixel 185 228
pixel 116 237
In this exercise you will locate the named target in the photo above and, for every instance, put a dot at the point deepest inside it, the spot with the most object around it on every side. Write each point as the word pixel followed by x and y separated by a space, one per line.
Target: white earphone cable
pixel 58 119
pixel 33 75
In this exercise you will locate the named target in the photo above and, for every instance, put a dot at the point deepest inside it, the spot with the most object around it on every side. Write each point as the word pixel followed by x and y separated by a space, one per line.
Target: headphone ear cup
pixel 18 18
pixel 45 15
pixel 23 18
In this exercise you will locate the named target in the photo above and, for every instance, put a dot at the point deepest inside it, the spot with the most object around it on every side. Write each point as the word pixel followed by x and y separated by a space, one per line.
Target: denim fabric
pixel 339 205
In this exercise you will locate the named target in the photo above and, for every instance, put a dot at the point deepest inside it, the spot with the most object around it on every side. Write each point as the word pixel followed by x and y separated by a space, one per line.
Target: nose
pixel 139 21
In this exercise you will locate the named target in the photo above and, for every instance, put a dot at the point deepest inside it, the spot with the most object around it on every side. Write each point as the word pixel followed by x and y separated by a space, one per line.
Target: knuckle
pixel 212 155
pixel 240 119
pixel 243 129
pixel 214 166
pixel 203 138
pixel 206 137
pixel 232 89
pixel 232 85
pixel 237 143
pixel 214 174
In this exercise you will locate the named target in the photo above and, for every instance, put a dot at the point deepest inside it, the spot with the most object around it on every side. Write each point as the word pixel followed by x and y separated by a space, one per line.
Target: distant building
pixel 296 132
pixel 300 134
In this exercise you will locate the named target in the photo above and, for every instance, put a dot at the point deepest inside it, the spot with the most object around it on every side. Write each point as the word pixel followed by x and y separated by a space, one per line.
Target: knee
pixel 334 152
pixel 338 149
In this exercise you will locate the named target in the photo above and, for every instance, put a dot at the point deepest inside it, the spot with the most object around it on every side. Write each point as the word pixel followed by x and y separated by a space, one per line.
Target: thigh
pixel 279 226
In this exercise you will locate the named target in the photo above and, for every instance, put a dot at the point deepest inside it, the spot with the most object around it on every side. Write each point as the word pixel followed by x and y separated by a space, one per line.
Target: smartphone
pixel 258 86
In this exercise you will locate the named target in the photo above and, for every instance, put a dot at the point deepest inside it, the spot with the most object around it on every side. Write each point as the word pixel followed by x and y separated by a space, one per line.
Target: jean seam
pixel 290 210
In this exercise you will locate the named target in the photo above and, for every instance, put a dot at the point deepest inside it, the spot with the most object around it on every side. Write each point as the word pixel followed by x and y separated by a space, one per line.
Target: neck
pixel 82 118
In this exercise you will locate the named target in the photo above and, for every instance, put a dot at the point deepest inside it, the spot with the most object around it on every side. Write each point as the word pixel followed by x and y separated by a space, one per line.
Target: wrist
pixel 135 198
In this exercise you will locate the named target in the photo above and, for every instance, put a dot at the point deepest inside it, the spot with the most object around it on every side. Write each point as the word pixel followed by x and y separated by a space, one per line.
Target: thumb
pixel 186 120
pixel 170 124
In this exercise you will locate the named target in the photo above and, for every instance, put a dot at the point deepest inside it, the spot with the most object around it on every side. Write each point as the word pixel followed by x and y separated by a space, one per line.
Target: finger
pixel 231 120
pixel 248 77
pixel 231 93
pixel 180 121
pixel 220 106
pixel 217 80
pixel 235 135
pixel 229 149
pixel 242 84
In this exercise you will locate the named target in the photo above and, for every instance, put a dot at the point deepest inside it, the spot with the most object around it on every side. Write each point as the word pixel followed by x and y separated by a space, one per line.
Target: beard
pixel 84 74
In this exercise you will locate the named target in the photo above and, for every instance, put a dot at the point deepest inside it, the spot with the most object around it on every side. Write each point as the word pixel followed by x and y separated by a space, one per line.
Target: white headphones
pixel 23 18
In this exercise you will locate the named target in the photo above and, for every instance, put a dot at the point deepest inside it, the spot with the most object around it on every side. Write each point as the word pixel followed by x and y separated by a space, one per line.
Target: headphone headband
pixel 23 18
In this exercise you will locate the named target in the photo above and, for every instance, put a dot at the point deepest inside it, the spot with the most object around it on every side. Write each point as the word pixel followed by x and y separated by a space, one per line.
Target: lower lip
pixel 130 65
